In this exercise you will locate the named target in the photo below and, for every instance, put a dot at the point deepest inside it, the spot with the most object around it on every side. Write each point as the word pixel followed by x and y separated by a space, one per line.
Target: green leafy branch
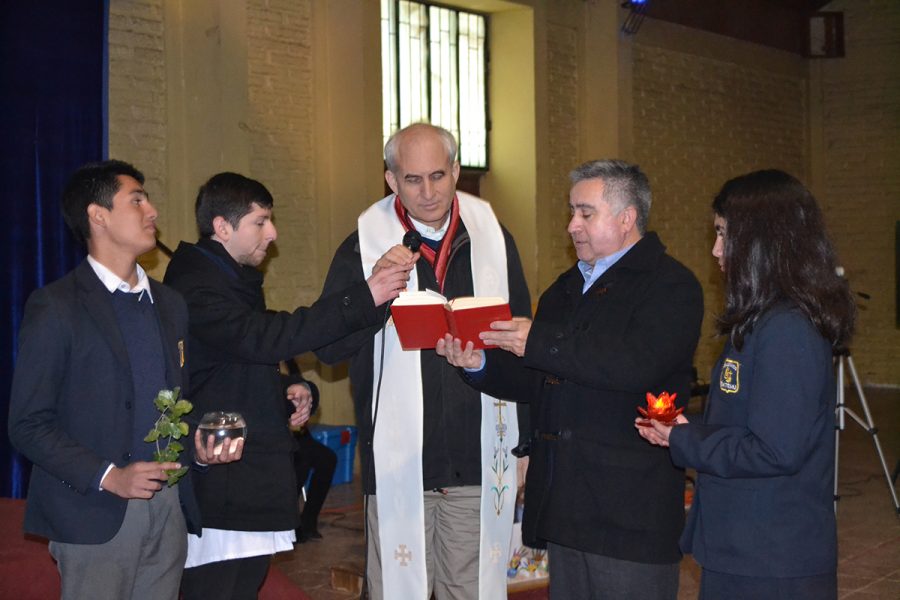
pixel 170 427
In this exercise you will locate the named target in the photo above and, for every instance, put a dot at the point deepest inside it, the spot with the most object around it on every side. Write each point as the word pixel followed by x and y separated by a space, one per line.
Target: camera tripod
pixel 841 358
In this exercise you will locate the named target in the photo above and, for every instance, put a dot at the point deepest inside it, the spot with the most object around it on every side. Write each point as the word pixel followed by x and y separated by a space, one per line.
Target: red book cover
pixel 422 318
pixel 467 319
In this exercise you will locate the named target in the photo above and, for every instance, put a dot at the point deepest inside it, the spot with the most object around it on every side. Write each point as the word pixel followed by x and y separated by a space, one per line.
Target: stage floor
pixel 868 527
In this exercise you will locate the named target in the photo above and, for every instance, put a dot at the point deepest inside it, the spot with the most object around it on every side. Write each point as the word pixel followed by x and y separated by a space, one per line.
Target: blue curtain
pixel 52 115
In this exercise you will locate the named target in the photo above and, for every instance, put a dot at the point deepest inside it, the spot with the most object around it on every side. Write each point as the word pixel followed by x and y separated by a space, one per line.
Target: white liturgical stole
pixel 398 431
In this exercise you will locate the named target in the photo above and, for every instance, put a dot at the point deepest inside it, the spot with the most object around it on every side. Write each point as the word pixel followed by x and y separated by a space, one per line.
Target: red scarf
pixel 437 259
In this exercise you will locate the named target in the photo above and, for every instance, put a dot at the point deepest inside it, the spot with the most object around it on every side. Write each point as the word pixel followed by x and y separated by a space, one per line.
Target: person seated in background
pixel 311 455
pixel 314 455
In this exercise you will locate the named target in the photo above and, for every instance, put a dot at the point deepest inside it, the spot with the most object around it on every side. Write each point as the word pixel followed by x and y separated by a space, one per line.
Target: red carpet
pixel 536 594
pixel 27 572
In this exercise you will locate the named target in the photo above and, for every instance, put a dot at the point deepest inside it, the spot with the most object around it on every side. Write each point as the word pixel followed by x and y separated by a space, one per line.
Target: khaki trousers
pixel 452 540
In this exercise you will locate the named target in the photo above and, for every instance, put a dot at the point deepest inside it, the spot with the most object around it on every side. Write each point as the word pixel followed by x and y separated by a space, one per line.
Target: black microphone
pixel 412 240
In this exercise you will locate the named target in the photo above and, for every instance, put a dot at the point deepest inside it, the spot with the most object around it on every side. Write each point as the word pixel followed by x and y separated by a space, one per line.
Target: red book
pixel 422 318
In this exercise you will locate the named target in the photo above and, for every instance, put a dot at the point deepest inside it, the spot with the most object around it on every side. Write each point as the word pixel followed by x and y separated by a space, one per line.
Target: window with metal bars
pixel 434 69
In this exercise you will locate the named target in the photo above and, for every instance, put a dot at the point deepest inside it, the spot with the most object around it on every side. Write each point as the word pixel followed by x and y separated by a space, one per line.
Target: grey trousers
pixel 586 576
pixel 452 540
pixel 143 561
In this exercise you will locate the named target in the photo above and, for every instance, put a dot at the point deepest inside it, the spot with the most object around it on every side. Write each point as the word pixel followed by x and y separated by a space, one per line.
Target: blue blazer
pixel 764 455
pixel 71 405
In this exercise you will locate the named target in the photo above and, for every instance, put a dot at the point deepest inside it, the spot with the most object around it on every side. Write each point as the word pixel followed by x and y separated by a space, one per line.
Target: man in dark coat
pixel 250 507
pixel 622 322
pixel 95 349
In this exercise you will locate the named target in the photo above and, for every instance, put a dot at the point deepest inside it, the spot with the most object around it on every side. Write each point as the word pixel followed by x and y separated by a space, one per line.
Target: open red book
pixel 424 317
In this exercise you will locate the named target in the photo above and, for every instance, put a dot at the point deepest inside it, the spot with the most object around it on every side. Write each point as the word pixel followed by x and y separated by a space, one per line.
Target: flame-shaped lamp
pixel 661 408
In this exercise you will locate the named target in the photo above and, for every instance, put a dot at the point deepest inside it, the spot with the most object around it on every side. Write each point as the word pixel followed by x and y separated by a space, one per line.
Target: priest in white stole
pixel 436 493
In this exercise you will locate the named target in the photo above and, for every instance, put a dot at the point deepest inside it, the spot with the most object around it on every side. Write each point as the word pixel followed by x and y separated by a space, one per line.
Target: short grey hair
pixel 624 185
pixel 390 149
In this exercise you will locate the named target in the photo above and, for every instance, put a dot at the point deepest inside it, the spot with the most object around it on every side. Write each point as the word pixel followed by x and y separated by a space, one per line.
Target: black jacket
pixel 451 453
pixel 593 483
pixel 236 345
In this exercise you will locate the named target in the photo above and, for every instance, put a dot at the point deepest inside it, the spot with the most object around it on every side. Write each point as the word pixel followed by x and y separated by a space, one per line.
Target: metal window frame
pixel 487 62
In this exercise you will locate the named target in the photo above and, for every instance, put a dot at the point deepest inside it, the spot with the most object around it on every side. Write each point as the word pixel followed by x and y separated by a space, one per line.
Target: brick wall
pixel 700 119
pixel 562 75
pixel 700 116
pixel 859 177
pixel 137 93
pixel 277 123
pixel 280 79
pixel 707 108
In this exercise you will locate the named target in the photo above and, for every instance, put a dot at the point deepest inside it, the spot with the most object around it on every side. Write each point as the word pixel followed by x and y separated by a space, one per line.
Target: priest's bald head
pixel 422 170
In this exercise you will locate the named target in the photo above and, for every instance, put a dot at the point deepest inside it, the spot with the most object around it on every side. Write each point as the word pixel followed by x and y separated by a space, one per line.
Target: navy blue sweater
pixel 139 325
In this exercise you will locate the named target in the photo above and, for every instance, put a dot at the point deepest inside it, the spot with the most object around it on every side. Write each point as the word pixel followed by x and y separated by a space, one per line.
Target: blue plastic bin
pixel 341 439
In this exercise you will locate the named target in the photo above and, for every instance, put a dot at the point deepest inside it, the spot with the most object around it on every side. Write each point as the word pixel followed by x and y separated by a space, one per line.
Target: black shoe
pixel 311 531
pixel 302 535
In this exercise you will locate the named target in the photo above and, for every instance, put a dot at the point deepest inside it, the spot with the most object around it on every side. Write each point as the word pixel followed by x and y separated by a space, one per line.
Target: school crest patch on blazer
pixel 730 376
